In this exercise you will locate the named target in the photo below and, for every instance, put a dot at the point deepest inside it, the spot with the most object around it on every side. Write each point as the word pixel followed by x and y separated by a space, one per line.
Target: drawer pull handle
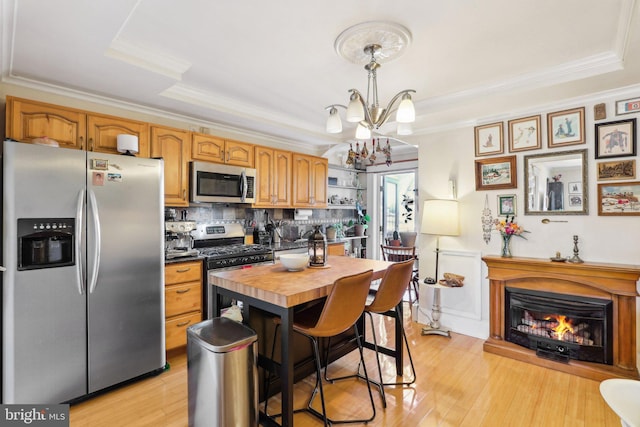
pixel 181 324
pixel 184 270
pixel 182 291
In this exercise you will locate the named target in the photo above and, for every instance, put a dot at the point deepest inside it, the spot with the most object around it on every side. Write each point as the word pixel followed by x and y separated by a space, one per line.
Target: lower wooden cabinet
pixel 335 249
pixel 183 300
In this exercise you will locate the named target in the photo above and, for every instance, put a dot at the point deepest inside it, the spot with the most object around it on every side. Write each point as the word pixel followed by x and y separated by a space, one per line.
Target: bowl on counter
pixel 294 262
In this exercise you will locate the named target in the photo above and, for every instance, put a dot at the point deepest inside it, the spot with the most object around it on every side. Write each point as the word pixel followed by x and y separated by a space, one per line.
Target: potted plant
pixel 361 223
pixel 395 239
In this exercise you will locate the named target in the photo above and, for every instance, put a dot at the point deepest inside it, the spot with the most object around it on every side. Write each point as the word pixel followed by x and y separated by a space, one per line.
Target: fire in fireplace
pixel 558 326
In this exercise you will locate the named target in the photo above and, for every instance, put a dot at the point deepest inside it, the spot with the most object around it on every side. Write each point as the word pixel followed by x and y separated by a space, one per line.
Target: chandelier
pixel 367 111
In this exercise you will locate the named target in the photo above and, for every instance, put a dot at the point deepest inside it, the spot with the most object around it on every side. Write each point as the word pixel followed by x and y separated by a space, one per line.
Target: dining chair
pixel 404 253
pixel 341 310
pixel 387 298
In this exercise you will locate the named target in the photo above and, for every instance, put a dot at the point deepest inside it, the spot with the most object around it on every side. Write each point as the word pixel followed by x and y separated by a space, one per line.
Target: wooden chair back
pixel 398 253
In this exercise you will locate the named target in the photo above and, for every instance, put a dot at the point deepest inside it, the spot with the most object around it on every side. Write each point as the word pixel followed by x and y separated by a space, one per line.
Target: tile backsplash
pixel 291 228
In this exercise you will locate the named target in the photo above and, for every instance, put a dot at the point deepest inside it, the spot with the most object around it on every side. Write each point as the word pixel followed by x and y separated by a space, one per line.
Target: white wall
pixel 450 155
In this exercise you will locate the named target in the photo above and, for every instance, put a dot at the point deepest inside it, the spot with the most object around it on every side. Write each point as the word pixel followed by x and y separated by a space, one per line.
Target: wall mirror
pixel 556 183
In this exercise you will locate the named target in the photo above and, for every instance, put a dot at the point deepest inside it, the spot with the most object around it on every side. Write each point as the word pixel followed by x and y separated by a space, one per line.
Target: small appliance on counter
pixel 178 239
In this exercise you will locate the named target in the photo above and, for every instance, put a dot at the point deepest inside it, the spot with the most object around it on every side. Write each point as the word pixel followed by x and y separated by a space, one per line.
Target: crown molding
pixel 156 62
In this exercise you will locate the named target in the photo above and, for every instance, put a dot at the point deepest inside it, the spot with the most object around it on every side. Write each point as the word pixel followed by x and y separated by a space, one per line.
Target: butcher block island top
pixel 275 284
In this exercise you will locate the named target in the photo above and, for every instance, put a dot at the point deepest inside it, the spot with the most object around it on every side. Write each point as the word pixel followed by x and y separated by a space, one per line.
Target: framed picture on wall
pixel 575 188
pixel 628 106
pixel 616 139
pixel 496 173
pixel 506 204
pixel 623 169
pixel 524 134
pixel 489 139
pixel 619 198
pixel 565 128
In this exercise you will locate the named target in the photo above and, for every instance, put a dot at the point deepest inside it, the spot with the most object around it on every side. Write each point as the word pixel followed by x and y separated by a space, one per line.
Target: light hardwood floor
pixel 458 385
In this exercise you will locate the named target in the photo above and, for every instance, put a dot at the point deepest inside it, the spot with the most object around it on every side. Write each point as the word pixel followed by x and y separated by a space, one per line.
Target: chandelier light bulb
pixel 406 110
pixel 334 124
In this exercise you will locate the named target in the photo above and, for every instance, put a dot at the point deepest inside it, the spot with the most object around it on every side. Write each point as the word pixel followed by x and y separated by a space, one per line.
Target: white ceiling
pixel 271 67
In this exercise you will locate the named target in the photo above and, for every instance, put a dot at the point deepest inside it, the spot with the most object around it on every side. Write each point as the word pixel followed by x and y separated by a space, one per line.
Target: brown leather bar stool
pixel 342 309
pixel 386 300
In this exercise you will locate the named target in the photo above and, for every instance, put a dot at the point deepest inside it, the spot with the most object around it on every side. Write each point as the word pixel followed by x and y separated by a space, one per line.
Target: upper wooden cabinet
pixel 103 131
pixel 173 146
pixel 274 177
pixel 309 181
pixel 217 150
pixel 71 128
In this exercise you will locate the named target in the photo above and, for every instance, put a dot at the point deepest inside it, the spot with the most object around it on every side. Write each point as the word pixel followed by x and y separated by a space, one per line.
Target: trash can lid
pixel 222 335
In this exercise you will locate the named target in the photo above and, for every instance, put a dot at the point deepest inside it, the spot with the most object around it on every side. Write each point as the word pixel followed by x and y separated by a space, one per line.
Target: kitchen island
pixel 275 290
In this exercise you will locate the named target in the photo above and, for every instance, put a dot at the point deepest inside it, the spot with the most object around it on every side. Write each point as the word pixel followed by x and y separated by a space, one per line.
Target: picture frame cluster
pixel 615 152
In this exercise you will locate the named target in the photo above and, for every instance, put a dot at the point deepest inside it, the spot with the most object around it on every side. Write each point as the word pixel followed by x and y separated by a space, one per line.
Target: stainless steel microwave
pixel 212 182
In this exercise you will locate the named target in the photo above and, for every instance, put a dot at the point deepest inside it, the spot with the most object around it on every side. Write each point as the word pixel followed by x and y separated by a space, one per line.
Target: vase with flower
pixel 508 228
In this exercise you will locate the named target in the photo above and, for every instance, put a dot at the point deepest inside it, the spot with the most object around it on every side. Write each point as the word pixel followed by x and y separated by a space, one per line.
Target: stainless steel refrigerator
pixel 83 293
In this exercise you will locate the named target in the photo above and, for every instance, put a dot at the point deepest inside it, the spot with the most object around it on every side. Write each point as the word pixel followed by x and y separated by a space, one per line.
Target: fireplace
pixel 576 318
pixel 560 327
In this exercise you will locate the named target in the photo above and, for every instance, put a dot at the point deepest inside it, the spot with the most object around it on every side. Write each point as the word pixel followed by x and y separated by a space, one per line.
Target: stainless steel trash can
pixel 222 374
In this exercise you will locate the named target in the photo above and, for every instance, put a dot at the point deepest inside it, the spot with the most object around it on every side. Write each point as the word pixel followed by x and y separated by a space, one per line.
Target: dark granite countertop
pixel 184 259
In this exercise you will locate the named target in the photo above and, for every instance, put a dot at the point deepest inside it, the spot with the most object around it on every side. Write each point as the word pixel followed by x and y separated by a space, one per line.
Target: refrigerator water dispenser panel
pixel 45 243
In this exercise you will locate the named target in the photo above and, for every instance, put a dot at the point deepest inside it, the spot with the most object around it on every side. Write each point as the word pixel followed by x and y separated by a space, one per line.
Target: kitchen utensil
pixel 547 220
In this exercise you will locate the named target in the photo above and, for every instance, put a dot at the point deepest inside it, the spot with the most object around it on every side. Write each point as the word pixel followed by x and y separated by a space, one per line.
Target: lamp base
pixel 430 330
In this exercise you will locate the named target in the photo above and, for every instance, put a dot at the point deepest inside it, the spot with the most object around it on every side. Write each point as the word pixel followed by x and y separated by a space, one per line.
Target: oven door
pixel 208 291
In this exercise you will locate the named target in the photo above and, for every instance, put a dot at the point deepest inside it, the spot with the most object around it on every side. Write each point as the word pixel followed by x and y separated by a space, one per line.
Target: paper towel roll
pixel 302 214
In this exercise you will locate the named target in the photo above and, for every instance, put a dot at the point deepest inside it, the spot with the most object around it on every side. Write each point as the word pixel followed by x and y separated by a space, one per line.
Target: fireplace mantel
pixel 615 282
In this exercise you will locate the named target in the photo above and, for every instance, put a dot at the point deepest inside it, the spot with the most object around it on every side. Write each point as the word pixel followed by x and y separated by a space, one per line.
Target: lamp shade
pixel 440 217
pixel 406 111
pixel 363 132
pixel 404 129
pixel 334 124
pixel 127 143
pixel 355 110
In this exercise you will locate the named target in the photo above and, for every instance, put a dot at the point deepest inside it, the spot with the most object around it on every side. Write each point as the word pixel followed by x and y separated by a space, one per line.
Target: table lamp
pixel 439 218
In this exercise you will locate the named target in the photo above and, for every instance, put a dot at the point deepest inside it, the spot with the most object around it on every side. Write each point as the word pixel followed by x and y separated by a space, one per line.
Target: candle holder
pixel 317 249
pixel 575 258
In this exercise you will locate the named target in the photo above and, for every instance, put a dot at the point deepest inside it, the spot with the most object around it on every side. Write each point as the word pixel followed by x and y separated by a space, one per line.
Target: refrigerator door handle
pixel 243 186
pixel 78 237
pixel 93 279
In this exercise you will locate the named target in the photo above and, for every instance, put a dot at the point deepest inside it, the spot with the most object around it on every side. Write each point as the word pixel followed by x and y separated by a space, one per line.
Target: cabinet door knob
pixel 81 140
pixel 184 270
pixel 181 324
pixel 183 291
pixel 90 144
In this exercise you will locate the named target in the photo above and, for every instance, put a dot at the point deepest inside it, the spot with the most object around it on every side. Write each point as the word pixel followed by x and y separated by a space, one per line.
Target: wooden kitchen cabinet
pixel 209 148
pixel 173 146
pixel 309 181
pixel 274 178
pixel 183 300
pixel 27 120
pixel 103 131
pixel 71 128
pixel 335 249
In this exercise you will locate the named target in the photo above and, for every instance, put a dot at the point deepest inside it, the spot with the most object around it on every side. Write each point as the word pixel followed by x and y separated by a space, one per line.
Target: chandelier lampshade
pixel 334 123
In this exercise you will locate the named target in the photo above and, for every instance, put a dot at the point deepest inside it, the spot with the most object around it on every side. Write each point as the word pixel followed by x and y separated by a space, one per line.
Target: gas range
pixel 223 246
